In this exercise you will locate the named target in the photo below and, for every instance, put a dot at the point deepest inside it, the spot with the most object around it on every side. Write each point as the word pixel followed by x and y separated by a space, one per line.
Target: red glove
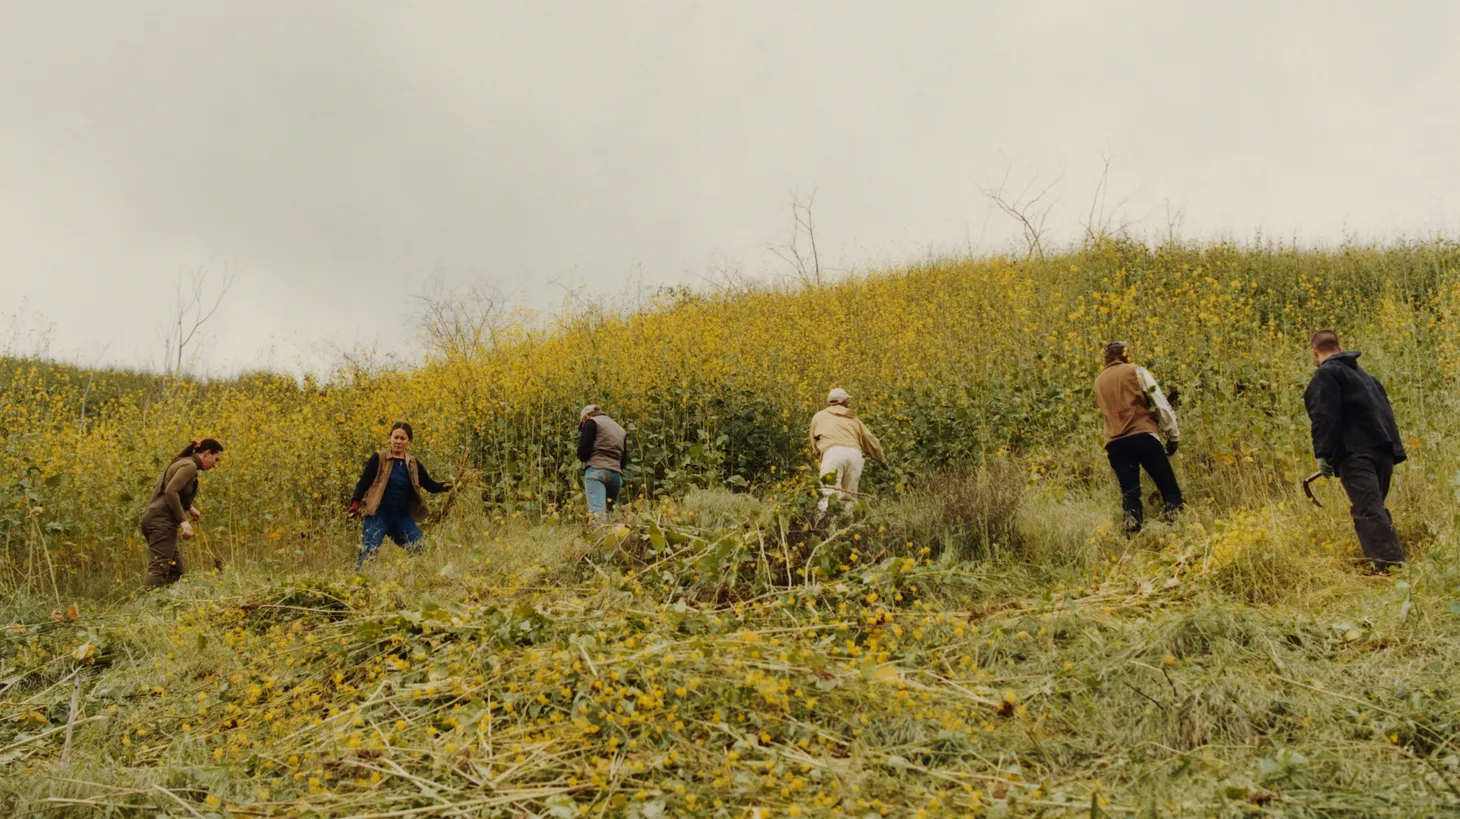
pixel 354 510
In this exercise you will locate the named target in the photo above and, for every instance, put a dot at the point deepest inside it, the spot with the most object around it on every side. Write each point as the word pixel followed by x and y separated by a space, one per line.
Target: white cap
pixel 837 396
pixel 591 409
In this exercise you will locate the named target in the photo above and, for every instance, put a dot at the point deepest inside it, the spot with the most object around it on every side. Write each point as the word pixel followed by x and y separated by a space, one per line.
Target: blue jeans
pixel 601 486
pixel 399 526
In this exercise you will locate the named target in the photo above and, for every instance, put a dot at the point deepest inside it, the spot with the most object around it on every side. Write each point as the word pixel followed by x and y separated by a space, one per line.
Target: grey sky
pixel 349 150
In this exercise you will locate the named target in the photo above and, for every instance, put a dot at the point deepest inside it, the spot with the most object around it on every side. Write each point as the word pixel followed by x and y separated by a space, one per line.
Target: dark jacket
pixel 373 480
pixel 1350 411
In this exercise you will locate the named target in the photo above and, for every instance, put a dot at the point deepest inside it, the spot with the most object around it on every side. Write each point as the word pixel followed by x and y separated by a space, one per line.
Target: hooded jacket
pixel 839 426
pixel 1350 411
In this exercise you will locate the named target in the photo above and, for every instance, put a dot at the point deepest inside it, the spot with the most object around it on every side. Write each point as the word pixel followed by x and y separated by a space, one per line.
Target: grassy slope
pixel 506 677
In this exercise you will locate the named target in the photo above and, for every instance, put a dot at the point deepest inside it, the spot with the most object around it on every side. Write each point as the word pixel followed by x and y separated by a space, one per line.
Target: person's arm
pixel 184 475
pixel 1160 407
pixel 623 458
pixel 367 477
pixel 427 484
pixel 586 436
pixel 871 445
pixel 1324 402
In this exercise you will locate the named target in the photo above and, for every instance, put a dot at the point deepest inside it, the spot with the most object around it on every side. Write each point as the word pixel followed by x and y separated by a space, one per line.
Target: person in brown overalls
pixel 171 505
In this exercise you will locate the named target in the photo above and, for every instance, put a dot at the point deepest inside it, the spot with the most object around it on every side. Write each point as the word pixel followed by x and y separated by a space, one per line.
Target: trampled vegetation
pixel 979 638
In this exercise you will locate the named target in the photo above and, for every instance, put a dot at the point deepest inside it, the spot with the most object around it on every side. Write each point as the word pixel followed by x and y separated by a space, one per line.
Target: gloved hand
pixel 1325 467
pixel 1171 447
pixel 354 511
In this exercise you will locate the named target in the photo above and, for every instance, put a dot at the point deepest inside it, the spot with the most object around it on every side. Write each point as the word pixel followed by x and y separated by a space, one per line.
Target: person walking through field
pixel 843 442
pixel 1137 417
pixel 388 496
pixel 1356 437
pixel 170 509
pixel 603 450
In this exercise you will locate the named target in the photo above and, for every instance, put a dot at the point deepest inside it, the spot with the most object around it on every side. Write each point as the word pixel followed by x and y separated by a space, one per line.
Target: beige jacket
pixel 839 426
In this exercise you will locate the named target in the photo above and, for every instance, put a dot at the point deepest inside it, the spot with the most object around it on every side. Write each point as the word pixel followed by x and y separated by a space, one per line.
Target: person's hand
pixel 1171 447
pixel 354 511
pixel 187 531
pixel 1325 467
pixel 195 514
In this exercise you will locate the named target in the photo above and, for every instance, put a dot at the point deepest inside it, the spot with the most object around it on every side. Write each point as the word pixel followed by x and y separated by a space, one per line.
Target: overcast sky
pixel 345 152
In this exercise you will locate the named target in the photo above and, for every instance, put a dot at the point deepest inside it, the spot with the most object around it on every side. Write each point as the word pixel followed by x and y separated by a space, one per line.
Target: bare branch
pixel 191 311
pixel 460 322
pixel 805 262
pixel 1028 208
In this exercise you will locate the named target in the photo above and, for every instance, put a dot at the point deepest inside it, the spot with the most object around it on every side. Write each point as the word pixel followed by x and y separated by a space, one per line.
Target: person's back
pixel 1350 411
pixel 609 444
pixel 838 425
pixel 1122 400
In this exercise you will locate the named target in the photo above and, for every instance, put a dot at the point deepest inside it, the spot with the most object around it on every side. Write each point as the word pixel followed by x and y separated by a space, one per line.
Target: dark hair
pixel 410 433
pixel 1116 351
pixel 194 447
pixel 1326 341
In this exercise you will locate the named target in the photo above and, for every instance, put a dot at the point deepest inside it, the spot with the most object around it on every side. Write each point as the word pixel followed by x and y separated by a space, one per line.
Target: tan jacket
pixel 1133 404
pixel 839 426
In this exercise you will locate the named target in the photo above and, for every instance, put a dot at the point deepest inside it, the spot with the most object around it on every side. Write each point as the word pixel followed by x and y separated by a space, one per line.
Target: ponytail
pixel 196 446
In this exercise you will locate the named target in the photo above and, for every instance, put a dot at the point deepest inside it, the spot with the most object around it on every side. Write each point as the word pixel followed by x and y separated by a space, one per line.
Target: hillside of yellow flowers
pixel 977 639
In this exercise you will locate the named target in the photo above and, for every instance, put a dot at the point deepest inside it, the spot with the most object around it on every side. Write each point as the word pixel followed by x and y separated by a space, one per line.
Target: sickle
pixel 1308 488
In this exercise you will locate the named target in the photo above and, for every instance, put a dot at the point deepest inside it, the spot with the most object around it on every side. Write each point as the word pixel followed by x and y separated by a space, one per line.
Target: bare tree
pixel 1104 222
pixel 1175 223
pixel 460 322
pixel 799 251
pixel 27 335
pixel 1029 207
pixel 198 300
pixel 727 277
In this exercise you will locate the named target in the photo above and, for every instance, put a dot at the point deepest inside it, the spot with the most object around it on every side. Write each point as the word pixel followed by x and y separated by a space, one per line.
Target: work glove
pixel 1325 467
pixel 1171 447
pixel 354 511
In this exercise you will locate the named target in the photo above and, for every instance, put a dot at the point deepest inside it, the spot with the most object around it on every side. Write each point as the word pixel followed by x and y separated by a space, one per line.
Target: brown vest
pixel 376 492
pixel 608 445
pixel 1127 411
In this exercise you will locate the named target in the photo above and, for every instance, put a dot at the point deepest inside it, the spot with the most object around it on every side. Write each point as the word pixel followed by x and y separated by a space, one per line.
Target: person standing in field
pixel 1356 437
pixel 167 513
pixel 842 441
pixel 603 450
pixel 388 496
pixel 1137 417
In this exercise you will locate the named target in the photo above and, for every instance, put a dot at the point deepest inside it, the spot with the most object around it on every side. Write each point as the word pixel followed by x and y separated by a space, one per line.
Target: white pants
pixel 847 464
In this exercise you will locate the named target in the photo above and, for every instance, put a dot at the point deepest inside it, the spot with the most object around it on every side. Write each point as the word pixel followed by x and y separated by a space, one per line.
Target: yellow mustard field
pixel 950 362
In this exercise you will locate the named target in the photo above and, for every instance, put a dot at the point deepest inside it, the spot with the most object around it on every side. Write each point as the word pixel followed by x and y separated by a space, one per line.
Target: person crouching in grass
pixel 388 496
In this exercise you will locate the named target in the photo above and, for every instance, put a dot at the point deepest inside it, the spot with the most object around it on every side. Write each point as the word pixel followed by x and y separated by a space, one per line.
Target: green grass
pixel 717 657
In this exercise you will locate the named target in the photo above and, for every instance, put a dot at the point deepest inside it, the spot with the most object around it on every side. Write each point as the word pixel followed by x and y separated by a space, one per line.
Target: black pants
pixel 1127 457
pixel 1365 477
